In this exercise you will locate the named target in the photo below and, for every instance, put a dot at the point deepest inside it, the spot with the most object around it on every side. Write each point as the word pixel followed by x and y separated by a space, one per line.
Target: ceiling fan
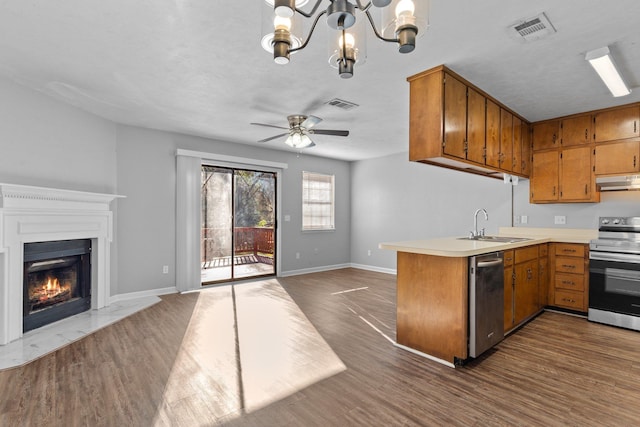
pixel 300 127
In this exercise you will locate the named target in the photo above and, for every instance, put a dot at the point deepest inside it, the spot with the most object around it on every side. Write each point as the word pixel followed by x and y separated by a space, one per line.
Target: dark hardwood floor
pixel 319 354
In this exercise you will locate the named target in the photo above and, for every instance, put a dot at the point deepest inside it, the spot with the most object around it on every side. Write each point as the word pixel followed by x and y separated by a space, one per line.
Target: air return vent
pixel 534 28
pixel 341 103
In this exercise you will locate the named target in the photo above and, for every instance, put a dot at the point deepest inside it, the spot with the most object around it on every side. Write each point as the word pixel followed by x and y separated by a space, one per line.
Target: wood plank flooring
pixel 151 369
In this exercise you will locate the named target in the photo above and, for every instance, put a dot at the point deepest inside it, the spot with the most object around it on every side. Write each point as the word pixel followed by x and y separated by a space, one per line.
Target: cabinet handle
pixel 553 138
pixel 568 282
pixel 568 300
pixel 568 250
pixel 586 134
pixel 554 190
pixel 635 126
pixel 634 161
pixel 529 274
pixel 568 266
pixel 586 189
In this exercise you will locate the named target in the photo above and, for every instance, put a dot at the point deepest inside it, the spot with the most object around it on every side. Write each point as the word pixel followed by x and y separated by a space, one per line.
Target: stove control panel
pixel 619 222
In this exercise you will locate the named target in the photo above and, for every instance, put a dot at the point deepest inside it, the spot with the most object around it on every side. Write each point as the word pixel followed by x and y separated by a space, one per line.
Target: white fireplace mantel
pixel 38 214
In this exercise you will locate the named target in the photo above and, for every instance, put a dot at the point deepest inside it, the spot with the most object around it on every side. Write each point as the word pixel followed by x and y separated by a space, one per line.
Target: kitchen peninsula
pixel 433 291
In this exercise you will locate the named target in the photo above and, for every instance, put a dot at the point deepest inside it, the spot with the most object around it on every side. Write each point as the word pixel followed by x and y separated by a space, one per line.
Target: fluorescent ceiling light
pixel 601 61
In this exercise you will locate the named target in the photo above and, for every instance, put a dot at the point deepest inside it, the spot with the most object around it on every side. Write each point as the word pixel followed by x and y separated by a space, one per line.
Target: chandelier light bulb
pixel 281 23
pixel 405 7
pixel 349 40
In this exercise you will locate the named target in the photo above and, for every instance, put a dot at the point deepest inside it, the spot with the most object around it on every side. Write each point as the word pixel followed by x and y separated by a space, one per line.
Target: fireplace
pixel 57 281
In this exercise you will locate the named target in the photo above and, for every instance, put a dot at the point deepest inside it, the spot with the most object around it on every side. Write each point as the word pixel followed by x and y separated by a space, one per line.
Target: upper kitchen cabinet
pixel 454 124
pixel 526 149
pixel 617 158
pixel 617 123
pixel 546 135
pixel 575 130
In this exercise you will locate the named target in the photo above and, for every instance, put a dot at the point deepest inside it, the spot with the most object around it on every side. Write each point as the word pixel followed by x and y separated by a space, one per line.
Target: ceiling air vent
pixel 341 103
pixel 534 28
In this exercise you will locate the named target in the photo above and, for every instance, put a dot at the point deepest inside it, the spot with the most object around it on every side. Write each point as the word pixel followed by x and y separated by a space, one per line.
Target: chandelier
pixel 402 21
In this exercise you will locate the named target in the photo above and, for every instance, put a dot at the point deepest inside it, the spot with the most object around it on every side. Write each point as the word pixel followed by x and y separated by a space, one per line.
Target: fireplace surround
pixel 38 214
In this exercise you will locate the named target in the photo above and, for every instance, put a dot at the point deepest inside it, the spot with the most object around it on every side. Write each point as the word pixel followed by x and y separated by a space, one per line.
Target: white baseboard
pixel 374 268
pixel 313 270
pixel 142 294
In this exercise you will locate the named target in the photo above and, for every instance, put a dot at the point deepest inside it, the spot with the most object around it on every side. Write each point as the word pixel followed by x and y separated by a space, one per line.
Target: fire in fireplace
pixel 57 281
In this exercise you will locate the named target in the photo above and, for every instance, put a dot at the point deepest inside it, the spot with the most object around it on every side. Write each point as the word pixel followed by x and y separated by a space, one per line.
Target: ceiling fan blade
pixel 273 137
pixel 269 126
pixel 330 132
pixel 310 122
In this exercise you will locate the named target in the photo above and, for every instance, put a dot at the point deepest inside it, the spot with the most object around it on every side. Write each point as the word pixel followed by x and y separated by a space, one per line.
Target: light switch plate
pixel 524 219
pixel 560 219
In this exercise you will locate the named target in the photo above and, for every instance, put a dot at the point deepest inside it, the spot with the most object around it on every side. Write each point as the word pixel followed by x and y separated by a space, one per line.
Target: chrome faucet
pixel 475 232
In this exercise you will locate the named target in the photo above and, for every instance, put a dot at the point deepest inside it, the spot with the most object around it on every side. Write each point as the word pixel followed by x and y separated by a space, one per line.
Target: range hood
pixel 618 183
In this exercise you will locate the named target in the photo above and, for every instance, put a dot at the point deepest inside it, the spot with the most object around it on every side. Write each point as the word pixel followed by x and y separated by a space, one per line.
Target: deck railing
pixel 258 241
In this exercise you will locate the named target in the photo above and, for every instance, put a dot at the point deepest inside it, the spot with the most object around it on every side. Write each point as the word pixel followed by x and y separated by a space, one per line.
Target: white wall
pixel 146 170
pixel 394 200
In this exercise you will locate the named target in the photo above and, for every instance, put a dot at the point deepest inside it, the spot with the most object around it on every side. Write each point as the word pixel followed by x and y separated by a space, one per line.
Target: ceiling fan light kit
pixel 300 127
pixel 402 22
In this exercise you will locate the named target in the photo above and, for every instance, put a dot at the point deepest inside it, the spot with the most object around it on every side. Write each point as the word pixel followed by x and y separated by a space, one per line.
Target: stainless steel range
pixel 614 273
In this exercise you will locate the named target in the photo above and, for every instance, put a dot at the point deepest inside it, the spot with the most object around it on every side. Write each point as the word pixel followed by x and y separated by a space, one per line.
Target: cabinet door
pixel 455 117
pixel 545 173
pixel 617 124
pixel 476 126
pixel 575 174
pixel 617 158
pixel 506 140
pixel 543 280
pixel 526 149
pixel 493 134
pixel 508 298
pixel 576 130
pixel 526 290
pixel 545 135
pixel 517 145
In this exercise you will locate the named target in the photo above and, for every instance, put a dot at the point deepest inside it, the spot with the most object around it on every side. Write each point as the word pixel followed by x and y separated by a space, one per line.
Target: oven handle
pixel 615 257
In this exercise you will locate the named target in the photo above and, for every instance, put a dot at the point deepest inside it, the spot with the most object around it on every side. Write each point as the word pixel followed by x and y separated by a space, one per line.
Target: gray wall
pixel 146 229
pixel 578 215
pixel 394 200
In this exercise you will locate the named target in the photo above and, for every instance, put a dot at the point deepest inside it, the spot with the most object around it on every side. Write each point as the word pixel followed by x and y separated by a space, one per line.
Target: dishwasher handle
pixel 485 264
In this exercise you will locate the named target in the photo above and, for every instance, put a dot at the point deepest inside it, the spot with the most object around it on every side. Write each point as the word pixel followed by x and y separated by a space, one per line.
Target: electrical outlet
pixel 287 218
pixel 165 269
pixel 560 219
pixel 369 252
pixel 524 219
pixel 297 255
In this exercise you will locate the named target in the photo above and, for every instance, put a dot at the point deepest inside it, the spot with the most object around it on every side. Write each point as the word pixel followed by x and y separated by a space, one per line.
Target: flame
pixel 52 288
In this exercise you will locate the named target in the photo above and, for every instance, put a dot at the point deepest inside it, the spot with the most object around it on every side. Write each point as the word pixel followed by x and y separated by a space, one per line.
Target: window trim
pixel 305 202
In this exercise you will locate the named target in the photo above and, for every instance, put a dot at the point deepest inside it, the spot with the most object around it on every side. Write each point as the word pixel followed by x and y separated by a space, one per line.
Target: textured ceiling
pixel 196 66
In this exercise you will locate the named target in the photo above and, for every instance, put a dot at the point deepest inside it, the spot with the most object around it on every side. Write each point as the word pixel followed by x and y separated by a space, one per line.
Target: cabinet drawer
pixel 570 265
pixel 574 282
pixel 569 249
pixel 569 299
pixel 526 254
pixel 508 258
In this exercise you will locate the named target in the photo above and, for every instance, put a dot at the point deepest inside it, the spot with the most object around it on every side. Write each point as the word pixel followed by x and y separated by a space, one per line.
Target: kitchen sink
pixel 497 239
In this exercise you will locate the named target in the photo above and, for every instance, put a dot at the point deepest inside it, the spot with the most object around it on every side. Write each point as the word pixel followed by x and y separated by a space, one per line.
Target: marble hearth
pixel 39 214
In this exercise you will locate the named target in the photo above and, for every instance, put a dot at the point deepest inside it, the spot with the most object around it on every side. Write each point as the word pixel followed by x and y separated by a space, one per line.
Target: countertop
pixel 456 247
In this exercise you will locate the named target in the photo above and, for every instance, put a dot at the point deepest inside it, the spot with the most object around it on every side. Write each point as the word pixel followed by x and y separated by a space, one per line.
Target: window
pixel 317 201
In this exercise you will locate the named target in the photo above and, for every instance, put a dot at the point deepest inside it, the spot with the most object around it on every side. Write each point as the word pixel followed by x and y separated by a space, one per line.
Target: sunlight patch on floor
pixel 278 352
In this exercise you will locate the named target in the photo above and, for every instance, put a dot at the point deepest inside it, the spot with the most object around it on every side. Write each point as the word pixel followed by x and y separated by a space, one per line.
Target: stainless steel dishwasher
pixel 486 302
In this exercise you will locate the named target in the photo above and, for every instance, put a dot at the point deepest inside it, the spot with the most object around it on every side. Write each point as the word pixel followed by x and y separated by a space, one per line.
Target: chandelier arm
pixel 363 8
pixel 313 27
pixel 310 14
pixel 375 30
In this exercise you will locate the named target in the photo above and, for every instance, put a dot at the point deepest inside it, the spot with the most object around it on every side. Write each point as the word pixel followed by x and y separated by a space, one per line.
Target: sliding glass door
pixel 238 224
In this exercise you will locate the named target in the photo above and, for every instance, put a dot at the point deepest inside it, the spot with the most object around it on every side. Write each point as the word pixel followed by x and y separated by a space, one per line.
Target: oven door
pixel 614 282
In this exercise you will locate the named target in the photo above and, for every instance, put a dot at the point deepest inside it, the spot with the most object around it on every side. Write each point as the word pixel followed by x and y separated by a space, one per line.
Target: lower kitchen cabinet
pixel 569 281
pixel 543 275
pixel 522 293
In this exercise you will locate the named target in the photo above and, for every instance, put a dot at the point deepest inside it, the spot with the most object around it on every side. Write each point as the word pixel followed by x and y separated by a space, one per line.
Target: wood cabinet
pixel 575 130
pixel 522 281
pixel 617 158
pixel 526 149
pixel 543 275
pixel 618 123
pixel 454 124
pixel 569 276
pixel 545 135
pixel 564 175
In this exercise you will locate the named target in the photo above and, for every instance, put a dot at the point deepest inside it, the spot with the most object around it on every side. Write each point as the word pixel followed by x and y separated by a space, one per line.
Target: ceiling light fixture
pixel 402 22
pixel 298 139
pixel 601 61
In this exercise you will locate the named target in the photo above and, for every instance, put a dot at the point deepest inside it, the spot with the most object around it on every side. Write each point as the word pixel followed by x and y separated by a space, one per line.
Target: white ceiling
pixel 196 66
